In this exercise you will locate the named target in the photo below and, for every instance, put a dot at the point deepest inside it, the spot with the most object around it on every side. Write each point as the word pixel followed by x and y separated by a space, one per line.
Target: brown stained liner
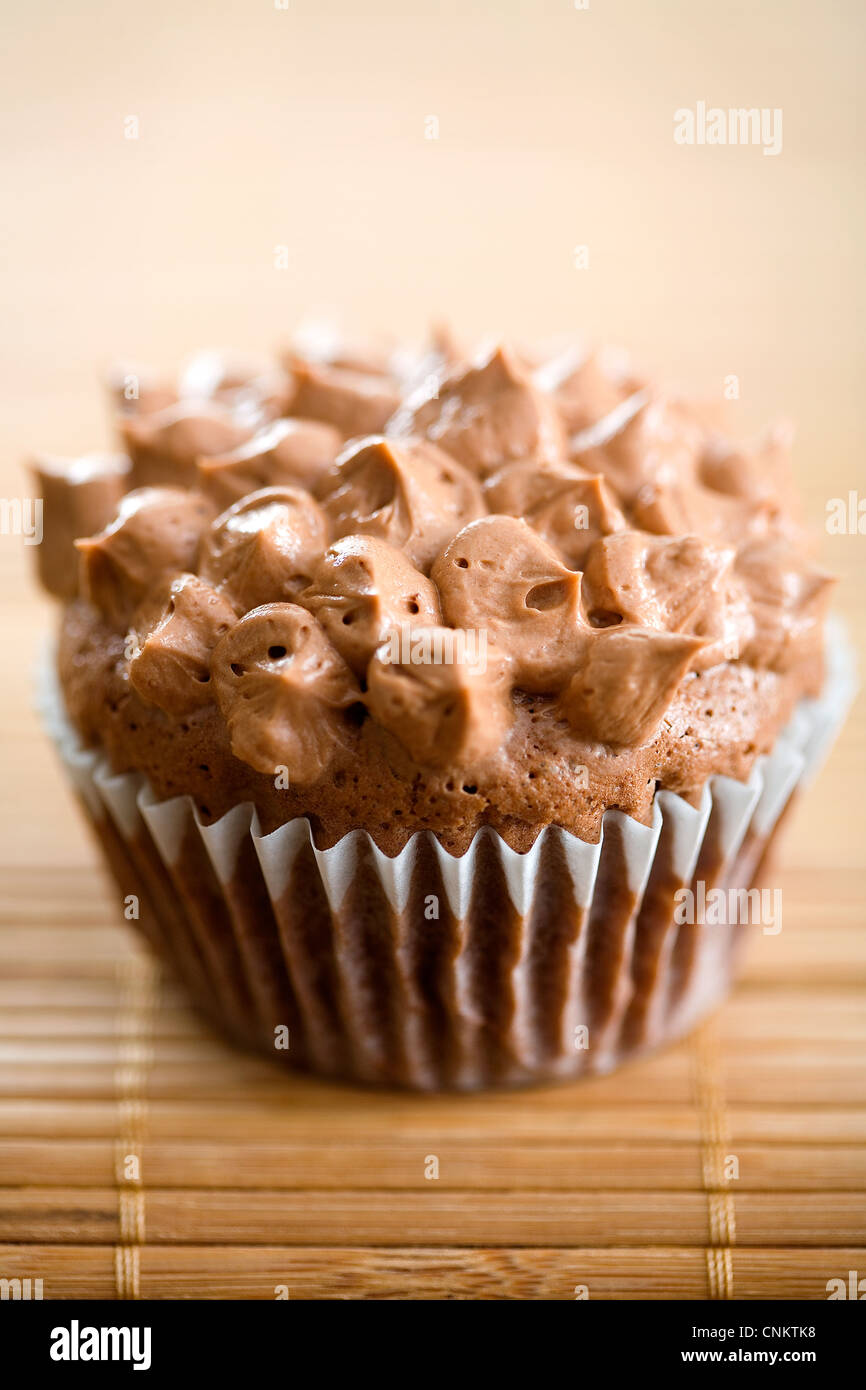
pixel 433 946
pixel 303 920
pixel 200 895
pixel 372 995
pixel 554 925
pixel 653 940
pixel 609 929
pixel 137 867
pixel 688 936
pixel 373 998
pixel 493 939
pixel 258 942
pixel 128 880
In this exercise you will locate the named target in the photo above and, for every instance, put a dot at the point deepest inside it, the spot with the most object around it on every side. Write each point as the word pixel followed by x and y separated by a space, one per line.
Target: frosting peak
pixel 154 534
pixel 298 453
pixel 442 706
pixel 642 441
pixel 282 689
pixel 362 588
pixel 353 402
pixel 80 496
pixel 626 680
pixel 486 415
pixel 174 637
pixel 165 445
pixel 263 548
pixel 406 492
pixel 498 576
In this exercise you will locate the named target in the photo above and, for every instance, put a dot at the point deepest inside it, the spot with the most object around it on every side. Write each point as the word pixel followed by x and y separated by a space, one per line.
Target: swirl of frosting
pixel 576 518
pixel 165 445
pixel 568 507
pixel 759 474
pixel 440 697
pixel 673 585
pixel 208 376
pixel 297 453
pixel 642 441
pixel 486 416
pixel 406 492
pixel 238 382
pixel 79 497
pixel 499 577
pixel 264 548
pixel 518 487
pixel 685 508
pixel 283 690
pixel 174 640
pixel 584 386
pixel 155 533
pixel 788 602
pixel 626 680
pixel 362 588
pixel 353 402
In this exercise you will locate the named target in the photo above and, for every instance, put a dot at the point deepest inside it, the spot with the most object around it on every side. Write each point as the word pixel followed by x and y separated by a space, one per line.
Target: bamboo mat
pixel 142 1158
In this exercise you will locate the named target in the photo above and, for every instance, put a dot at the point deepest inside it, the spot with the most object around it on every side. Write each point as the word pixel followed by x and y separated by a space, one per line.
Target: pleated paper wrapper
pixel 436 972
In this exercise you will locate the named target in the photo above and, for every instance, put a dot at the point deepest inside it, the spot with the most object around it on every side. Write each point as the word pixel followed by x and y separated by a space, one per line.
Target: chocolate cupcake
pixel 424 703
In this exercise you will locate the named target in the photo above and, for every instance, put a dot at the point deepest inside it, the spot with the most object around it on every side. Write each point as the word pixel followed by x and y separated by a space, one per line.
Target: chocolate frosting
pixel 486 415
pixel 299 453
pixel 670 585
pixel 362 589
pixel 258 388
pixel 584 387
pixel 408 493
pixel 172 644
pixel 164 445
pixel 79 497
pixel 135 390
pixel 354 402
pixel 657 442
pixel 452 713
pixel 282 689
pixel 637 589
pixel 498 576
pixel 154 534
pixel 626 679
pixel 264 548
pixel 573 519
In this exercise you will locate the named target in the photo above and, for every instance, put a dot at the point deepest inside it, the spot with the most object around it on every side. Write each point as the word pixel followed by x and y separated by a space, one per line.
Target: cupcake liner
pixel 432 971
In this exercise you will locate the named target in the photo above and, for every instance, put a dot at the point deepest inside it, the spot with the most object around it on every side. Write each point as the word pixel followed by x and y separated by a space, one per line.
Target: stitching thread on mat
pixel 715 1144
pixel 139 989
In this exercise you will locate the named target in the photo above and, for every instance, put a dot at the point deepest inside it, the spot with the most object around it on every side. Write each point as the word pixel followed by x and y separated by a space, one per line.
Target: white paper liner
pixel 734 809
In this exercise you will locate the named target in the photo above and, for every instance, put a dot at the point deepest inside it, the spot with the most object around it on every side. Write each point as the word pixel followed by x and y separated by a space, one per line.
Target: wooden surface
pixel 555 131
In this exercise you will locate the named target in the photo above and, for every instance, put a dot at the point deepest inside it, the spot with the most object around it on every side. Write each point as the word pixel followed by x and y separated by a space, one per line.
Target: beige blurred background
pixel 305 127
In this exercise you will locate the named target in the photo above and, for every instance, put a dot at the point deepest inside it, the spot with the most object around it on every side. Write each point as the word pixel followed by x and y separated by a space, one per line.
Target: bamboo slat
pixel 265 1272
pixel 348 1122
pixel 322 1217
pixel 575 1167
pixel 840 1082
